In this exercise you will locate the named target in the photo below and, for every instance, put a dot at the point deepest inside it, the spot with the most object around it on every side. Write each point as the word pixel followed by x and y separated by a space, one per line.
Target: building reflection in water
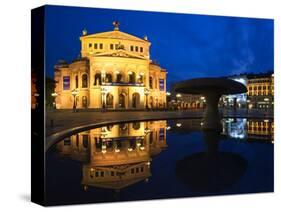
pixel 258 129
pixel 238 128
pixel 116 156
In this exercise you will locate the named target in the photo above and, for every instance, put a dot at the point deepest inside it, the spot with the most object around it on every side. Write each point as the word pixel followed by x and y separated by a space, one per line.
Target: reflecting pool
pixel 161 159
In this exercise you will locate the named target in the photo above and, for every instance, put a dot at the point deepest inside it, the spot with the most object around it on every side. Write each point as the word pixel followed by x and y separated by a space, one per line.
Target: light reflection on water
pixel 146 160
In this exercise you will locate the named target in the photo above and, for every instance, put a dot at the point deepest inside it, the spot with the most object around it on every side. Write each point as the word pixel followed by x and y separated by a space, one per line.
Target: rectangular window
pixel 97 173
pixel 132 48
pixel 137 48
pixel 162 84
pixel 111 46
pixel 112 173
pixel 90 45
pixel 141 49
pixel 101 46
pixel 95 46
pixel 102 174
pixel 66 82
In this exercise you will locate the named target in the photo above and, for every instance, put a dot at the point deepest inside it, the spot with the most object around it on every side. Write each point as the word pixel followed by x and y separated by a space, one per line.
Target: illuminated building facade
pixel 116 156
pixel 261 91
pixel 180 101
pixel 114 72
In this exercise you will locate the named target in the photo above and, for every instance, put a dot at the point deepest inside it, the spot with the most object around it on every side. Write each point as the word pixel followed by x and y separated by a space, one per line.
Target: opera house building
pixel 114 71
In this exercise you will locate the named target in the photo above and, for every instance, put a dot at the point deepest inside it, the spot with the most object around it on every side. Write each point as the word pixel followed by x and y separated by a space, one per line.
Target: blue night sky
pixel 188 46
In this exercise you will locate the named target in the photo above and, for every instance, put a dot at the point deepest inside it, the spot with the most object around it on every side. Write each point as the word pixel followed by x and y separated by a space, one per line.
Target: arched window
pixel 122 100
pixel 150 82
pixel 108 78
pixel 84 81
pixel 132 77
pixel 109 100
pixel 119 78
pixel 76 81
pixel 135 100
pixel 97 79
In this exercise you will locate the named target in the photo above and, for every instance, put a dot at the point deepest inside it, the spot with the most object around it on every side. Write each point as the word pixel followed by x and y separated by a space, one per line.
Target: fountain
pixel 212 89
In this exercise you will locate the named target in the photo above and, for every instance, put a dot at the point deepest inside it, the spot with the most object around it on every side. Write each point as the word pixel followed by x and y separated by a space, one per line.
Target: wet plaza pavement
pixel 63 122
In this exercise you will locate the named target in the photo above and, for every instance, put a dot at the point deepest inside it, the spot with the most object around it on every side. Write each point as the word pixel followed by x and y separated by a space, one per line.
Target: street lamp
pixel 177 98
pixel 54 103
pixel 146 93
pixel 74 93
pixel 168 99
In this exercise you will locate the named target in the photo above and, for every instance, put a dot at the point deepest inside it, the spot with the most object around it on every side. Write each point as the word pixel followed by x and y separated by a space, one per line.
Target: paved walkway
pixel 62 123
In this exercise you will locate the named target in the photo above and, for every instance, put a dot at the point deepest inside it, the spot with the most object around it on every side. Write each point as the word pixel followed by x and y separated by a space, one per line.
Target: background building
pixel 181 101
pixel 261 91
pixel 113 72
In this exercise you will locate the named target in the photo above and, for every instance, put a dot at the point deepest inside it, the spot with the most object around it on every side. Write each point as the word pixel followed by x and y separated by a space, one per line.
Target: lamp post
pixel 74 93
pixel 54 95
pixel 178 96
pixel 146 93
pixel 168 99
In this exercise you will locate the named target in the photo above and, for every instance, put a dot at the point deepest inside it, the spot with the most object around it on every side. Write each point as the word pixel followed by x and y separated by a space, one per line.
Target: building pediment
pixel 114 35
